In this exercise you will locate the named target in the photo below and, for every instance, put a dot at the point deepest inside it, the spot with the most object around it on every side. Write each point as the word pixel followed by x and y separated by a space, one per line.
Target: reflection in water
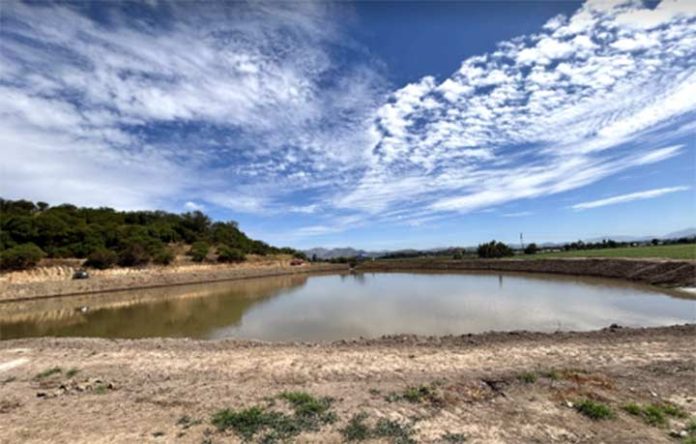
pixel 329 307
pixel 187 311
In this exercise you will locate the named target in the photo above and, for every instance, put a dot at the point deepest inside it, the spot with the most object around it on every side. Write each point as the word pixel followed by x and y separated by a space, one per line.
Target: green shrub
pixel 163 257
pixel 199 251
pixel 227 254
pixel 101 259
pixel 21 257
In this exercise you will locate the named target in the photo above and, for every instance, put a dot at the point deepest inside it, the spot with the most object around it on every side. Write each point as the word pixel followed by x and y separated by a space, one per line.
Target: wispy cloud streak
pixel 640 195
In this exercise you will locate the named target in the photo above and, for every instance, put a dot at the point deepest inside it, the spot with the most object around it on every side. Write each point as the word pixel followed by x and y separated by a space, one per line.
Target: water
pixel 330 307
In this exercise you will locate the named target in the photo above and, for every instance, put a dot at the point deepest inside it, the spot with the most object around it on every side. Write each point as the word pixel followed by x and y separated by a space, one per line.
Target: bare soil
pixel 478 386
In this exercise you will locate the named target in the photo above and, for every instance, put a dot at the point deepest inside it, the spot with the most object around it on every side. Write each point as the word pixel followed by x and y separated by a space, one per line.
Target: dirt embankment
pixel 57 281
pixel 669 273
pixel 491 388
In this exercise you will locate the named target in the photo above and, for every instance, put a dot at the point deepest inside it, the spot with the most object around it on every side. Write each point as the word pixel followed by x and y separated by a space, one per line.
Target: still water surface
pixel 330 307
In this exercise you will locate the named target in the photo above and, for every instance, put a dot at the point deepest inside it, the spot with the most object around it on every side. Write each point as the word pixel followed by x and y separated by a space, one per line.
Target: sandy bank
pixel 670 273
pixel 53 283
pixel 139 391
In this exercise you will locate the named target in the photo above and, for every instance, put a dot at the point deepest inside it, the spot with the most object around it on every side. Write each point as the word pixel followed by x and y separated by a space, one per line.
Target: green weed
pixel 309 414
pixel 356 429
pixel 454 438
pixel 594 410
pixel 400 433
pixel 49 372
pixel 655 414
pixel 527 377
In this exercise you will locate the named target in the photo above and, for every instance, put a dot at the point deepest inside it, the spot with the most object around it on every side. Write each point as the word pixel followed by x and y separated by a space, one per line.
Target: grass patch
pixel 594 410
pixel 527 377
pixel 552 374
pixel 654 414
pixel 72 372
pixel 633 409
pixel 101 389
pixel 677 251
pixel 417 394
pixel 309 414
pixel 400 433
pixel 49 372
pixel 245 422
pixel 357 429
pixel 305 404
pixel 691 427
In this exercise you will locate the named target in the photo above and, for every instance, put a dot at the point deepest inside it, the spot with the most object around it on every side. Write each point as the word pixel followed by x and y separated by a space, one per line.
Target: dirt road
pixel 502 387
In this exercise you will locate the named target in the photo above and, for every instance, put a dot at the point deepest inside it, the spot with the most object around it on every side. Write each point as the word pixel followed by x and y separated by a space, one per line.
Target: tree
pixel 458 255
pixel 228 254
pixel 531 249
pixel 199 251
pixel 133 255
pixel 21 257
pixel 494 249
pixel 101 259
pixel 69 231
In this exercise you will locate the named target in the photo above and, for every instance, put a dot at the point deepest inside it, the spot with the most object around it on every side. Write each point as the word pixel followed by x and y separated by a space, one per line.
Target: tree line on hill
pixel 105 237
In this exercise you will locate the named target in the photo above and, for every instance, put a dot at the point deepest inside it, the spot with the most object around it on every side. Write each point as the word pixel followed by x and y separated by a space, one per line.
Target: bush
pixel 163 257
pixel 494 249
pixel 227 254
pixel 133 255
pixel 531 249
pixel 101 259
pixel 199 251
pixel 21 257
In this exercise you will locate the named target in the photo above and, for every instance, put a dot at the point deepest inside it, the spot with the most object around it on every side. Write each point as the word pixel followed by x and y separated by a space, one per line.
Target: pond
pixel 331 307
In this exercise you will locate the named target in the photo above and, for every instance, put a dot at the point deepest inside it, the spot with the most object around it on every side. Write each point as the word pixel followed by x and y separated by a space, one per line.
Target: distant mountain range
pixel 333 253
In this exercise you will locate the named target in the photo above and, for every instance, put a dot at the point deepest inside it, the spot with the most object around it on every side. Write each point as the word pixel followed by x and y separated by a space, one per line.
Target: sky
pixel 372 125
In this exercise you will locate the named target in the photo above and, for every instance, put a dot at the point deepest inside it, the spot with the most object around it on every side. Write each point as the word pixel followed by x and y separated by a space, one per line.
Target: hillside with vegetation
pixel 106 237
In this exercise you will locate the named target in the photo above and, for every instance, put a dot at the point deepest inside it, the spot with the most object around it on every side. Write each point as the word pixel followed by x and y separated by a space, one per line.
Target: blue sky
pixel 375 125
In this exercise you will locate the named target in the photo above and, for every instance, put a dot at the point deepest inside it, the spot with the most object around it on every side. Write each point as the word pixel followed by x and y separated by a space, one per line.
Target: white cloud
pixel 193 206
pixel 578 102
pixel 244 106
pixel 204 100
pixel 640 195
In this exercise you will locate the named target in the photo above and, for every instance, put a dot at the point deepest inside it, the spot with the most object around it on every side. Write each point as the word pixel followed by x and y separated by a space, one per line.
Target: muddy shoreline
pixel 666 273
pixel 518 387
pixel 149 278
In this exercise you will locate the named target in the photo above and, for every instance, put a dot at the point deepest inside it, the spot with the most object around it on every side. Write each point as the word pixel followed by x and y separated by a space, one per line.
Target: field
pixel 614 386
pixel 679 251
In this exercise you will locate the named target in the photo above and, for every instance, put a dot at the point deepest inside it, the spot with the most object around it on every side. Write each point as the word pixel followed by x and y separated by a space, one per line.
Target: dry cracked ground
pixel 614 386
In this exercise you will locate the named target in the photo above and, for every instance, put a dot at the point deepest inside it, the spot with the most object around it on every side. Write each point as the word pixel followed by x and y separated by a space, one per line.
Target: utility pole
pixel 522 241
